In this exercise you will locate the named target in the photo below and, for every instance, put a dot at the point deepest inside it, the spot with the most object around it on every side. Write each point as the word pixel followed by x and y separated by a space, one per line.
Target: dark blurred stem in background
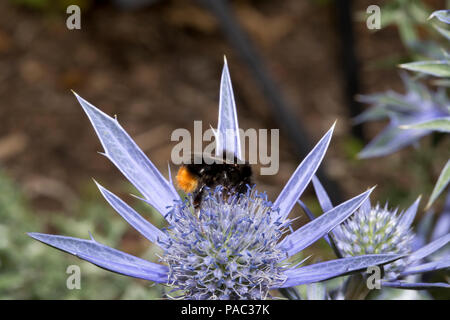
pixel 291 126
pixel 349 60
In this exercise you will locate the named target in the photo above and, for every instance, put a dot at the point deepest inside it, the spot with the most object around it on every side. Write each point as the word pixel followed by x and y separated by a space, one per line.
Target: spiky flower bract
pixel 231 248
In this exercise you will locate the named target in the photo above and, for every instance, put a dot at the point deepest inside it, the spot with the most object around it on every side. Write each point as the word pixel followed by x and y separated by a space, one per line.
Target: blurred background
pixel 295 65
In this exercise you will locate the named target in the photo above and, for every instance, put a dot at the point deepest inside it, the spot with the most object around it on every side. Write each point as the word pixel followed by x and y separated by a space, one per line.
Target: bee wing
pixel 227 134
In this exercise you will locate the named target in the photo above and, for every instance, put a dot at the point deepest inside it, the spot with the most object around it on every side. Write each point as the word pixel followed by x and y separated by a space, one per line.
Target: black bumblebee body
pixel 212 172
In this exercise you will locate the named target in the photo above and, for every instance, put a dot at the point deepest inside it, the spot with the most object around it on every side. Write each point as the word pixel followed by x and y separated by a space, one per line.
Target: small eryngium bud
pixel 375 230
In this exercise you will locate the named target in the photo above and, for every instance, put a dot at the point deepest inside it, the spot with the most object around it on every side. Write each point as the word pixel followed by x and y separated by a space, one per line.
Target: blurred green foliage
pixel 407 16
pixel 32 270
pixel 417 34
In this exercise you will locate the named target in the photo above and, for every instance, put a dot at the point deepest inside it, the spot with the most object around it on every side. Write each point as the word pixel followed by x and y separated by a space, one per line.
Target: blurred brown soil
pixel 158 69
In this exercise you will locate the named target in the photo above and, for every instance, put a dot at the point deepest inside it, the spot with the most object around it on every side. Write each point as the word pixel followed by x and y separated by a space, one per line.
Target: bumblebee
pixel 194 177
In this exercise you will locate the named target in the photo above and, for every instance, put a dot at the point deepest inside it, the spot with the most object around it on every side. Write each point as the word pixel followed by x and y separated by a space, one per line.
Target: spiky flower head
pixel 227 249
pixel 375 230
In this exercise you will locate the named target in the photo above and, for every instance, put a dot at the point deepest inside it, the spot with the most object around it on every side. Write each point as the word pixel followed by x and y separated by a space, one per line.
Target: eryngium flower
pixel 229 250
pixel 413 110
pixel 375 230
pixel 230 247
pixel 379 230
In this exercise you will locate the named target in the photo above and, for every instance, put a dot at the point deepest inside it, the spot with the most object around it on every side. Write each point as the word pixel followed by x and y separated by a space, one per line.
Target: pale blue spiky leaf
pixel 414 286
pixel 316 229
pixel 437 68
pixel 429 248
pixel 129 159
pixel 442 225
pixel 441 124
pixel 227 134
pixel 322 195
pixel 384 105
pixel 335 268
pixel 302 176
pixel 390 140
pixel 327 238
pixel 408 216
pixel 440 264
pixel 147 229
pixel 442 15
pixel 441 184
pixel 106 257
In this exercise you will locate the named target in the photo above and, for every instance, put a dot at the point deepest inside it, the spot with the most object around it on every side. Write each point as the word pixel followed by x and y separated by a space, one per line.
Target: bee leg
pixel 241 188
pixel 197 200
pixel 198 197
